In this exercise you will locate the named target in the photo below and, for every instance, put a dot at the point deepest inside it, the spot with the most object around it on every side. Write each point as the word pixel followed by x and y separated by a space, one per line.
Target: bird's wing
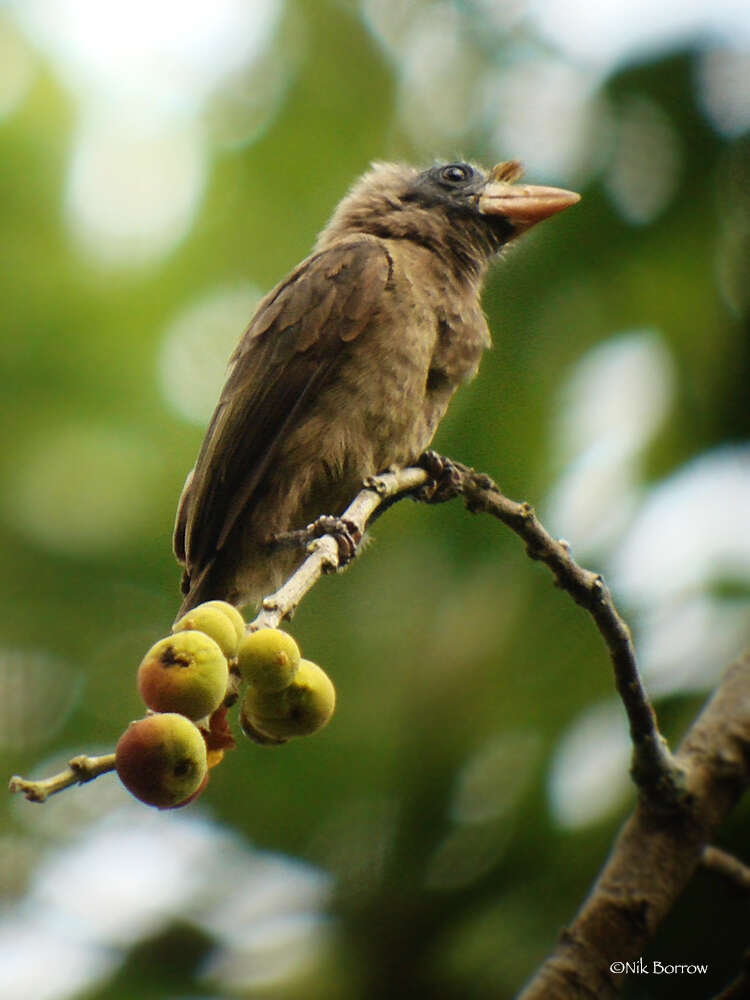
pixel 283 360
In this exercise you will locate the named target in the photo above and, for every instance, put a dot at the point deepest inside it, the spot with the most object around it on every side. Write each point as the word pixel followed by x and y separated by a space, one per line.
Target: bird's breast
pixel 427 338
pixel 393 383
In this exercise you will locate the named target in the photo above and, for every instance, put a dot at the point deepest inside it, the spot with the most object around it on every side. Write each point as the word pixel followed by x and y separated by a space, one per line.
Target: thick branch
pixel 655 855
pixel 739 988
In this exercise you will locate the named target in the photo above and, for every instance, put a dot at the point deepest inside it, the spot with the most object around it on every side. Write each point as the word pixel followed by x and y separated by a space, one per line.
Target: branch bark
pixel 683 798
pixel 655 854
pixel 720 862
pixel 80 769
pixel 324 554
pixel 654 769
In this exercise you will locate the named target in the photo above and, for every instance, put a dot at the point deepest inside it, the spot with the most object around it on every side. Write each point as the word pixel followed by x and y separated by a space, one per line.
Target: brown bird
pixel 348 365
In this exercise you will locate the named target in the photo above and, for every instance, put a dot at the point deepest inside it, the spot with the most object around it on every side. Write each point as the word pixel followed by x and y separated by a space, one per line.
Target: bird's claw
pixel 345 533
pixel 445 482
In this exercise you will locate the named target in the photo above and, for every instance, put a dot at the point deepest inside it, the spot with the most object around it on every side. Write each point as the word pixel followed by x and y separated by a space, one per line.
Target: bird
pixel 348 365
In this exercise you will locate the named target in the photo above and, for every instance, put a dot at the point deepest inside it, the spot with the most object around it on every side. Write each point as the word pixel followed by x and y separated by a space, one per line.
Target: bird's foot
pixel 346 534
pixel 445 482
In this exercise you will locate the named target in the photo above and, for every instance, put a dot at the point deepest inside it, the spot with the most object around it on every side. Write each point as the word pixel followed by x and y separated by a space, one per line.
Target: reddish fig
pixel 186 673
pixel 161 760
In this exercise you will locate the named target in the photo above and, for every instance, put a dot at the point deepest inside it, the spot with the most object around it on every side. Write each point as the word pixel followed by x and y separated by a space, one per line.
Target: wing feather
pixel 285 358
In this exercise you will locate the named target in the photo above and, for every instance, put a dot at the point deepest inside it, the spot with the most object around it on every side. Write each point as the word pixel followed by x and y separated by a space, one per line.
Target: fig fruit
pixel 268 659
pixel 186 673
pixel 212 621
pixel 232 613
pixel 161 760
pixel 302 708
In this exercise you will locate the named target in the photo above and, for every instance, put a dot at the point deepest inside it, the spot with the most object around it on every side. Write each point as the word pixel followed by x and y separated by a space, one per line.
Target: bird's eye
pixel 456 173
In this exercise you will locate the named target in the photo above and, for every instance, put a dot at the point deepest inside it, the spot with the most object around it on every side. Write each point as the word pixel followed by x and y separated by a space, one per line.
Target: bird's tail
pixel 203 587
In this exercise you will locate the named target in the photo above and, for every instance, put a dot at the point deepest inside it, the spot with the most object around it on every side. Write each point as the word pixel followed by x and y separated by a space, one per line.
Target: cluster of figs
pixel 186 682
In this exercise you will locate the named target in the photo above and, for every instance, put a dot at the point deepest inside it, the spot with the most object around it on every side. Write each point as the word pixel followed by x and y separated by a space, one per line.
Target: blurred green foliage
pixel 443 637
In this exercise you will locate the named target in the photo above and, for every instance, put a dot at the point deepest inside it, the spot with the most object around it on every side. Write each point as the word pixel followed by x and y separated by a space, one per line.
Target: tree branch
pixel 739 988
pixel 720 862
pixel 324 552
pixel 654 769
pixel 683 798
pixel 80 769
pixel 655 854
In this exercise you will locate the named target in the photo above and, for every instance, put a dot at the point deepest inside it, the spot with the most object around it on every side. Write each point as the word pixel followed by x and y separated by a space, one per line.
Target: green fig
pixel 232 613
pixel 186 673
pixel 268 659
pixel 161 760
pixel 302 708
pixel 262 739
pixel 214 622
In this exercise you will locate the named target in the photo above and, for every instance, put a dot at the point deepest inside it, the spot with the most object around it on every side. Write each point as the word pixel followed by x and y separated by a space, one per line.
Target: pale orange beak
pixel 523 205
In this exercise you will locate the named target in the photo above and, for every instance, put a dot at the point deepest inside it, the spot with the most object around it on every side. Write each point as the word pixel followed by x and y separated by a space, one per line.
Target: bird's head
pixel 457 209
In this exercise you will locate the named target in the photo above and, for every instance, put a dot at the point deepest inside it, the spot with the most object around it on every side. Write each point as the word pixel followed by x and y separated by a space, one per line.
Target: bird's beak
pixel 523 205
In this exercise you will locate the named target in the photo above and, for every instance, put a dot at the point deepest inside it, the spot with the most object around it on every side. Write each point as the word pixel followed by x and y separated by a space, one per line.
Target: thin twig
pixel 654 769
pixel 721 862
pixel 80 769
pixel 324 555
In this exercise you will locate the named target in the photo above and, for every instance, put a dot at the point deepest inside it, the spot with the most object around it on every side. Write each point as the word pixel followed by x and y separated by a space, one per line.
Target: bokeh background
pixel 164 163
